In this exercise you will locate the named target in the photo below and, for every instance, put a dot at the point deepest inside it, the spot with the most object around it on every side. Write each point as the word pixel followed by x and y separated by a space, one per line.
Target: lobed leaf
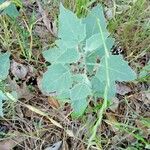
pixel 56 79
pixel 80 90
pixel 83 42
pixel 79 106
pixel 10 10
pixel 61 54
pixel 80 78
pixel 78 97
pixel 91 21
pixel 71 28
pixel 94 42
pixel 98 87
pixel 118 69
pixel 91 57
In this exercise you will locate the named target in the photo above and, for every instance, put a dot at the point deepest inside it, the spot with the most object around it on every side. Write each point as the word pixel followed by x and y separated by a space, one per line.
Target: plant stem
pixel 104 105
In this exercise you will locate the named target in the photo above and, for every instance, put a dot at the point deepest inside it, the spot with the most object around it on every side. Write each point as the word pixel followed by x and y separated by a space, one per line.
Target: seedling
pixel 81 62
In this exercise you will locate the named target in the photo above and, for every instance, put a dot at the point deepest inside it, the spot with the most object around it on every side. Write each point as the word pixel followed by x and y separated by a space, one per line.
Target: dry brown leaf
pixel 122 89
pixel 112 121
pixel 47 22
pixel 10 144
pixel 26 3
pixel 53 102
pixel 19 70
pixel 22 92
pixel 109 13
pixel 82 147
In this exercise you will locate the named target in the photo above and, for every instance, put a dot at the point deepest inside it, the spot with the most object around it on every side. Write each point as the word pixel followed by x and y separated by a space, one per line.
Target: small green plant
pixel 81 63
pixel 81 7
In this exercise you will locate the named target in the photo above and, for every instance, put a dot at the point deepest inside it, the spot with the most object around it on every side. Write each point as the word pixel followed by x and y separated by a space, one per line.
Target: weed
pixel 127 126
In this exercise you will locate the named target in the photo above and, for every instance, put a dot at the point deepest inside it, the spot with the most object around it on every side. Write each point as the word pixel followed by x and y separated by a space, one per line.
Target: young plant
pixel 81 63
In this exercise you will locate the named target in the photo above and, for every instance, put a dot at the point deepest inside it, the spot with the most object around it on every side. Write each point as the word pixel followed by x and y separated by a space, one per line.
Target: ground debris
pixel 122 89
pixel 19 70
pixel 55 146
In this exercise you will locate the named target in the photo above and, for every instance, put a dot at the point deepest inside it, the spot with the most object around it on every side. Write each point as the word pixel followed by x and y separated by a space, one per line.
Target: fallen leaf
pixel 10 144
pixel 26 3
pixel 18 70
pixel 53 102
pixel 65 145
pixel 47 22
pixel 22 92
pixel 122 89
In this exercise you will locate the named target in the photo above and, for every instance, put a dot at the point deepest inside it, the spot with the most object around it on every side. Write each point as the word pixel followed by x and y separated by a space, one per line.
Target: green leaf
pixel 4 65
pixel 71 28
pixel 80 78
pixel 79 106
pixel 99 87
pixel 98 53
pixel 78 96
pixel 118 69
pixel 80 90
pixel 91 21
pixel 64 96
pixel 95 41
pixel 11 10
pixel 61 54
pixel 56 79
pixel 2 97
